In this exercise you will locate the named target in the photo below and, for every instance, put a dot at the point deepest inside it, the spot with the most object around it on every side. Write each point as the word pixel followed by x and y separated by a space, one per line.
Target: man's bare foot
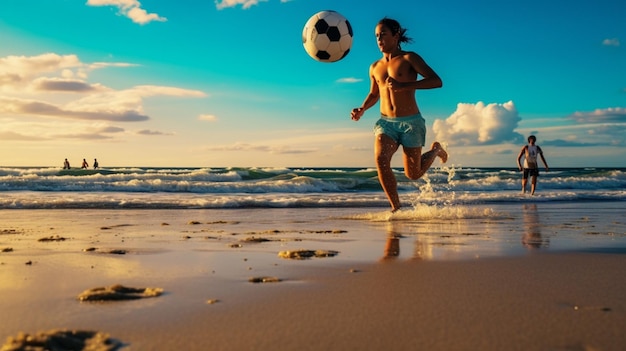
pixel 440 151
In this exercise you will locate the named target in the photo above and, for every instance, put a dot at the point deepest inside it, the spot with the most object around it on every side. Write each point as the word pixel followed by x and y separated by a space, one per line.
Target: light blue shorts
pixel 409 131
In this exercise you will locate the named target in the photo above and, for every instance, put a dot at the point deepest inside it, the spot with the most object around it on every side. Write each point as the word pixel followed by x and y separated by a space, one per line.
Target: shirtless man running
pixel 393 81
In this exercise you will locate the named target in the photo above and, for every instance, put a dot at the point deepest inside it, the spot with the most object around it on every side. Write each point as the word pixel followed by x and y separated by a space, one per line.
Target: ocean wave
pixel 108 200
pixel 139 187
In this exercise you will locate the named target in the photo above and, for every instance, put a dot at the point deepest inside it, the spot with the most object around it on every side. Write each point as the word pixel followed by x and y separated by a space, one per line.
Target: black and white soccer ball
pixel 327 36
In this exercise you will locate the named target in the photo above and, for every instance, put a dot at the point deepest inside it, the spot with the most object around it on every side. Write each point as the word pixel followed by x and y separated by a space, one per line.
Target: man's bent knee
pixel 413 175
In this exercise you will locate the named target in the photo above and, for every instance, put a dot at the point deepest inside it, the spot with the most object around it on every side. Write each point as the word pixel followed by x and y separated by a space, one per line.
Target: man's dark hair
pixel 394 27
pixel 534 138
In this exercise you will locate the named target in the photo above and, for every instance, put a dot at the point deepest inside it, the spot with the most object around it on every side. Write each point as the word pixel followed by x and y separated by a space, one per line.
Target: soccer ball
pixel 327 36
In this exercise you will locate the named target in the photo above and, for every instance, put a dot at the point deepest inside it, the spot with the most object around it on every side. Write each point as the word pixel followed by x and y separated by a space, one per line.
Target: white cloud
pixel 131 9
pixel 349 80
pixel 209 118
pixel 245 4
pixel 19 70
pixel 99 65
pixel 479 124
pixel 140 16
pixel 611 42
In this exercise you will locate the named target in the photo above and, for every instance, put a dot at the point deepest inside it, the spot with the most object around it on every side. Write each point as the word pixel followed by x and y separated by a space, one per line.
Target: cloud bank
pixel 55 90
pixel 607 115
pixel 601 127
pixel 15 106
pixel 479 124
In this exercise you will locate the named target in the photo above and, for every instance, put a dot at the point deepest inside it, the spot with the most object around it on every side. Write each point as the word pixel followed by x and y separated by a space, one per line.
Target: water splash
pixel 434 200
pixel 430 212
pixel 439 193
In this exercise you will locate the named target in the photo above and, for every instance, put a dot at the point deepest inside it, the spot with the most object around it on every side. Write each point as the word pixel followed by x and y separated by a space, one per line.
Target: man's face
pixel 387 42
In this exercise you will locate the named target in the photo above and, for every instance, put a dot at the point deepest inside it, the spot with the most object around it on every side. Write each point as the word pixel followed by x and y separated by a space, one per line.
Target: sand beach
pixel 527 276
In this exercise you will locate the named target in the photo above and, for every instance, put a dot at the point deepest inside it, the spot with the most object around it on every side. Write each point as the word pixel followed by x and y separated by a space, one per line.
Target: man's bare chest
pixel 399 70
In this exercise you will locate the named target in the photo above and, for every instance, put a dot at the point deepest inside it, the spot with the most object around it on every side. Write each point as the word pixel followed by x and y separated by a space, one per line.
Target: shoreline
pixel 490 277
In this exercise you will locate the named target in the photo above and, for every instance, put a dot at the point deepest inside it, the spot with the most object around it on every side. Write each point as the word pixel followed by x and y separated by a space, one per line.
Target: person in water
pixel 393 82
pixel 531 167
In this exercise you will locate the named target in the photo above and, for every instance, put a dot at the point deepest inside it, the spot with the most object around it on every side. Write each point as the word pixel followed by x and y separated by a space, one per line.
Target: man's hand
pixel 357 113
pixel 393 84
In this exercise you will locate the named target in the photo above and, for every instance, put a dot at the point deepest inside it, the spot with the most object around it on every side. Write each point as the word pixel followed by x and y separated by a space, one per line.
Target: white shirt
pixel 530 161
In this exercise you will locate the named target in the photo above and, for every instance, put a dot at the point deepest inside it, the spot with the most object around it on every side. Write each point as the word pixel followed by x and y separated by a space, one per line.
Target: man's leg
pixel 384 148
pixel 533 184
pixel 416 164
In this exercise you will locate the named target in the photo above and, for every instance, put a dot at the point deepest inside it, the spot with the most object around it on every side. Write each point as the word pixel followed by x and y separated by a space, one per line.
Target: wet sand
pixel 519 277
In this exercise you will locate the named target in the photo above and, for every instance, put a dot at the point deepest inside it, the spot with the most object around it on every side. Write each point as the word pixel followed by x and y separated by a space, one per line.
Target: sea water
pixel 222 188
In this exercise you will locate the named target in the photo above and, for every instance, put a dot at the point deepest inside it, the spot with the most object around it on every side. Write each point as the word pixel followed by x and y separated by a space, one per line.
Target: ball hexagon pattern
pixel 327 36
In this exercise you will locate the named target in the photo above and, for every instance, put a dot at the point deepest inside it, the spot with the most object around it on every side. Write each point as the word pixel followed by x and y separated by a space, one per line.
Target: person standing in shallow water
pixel 393 82
pixel 531 167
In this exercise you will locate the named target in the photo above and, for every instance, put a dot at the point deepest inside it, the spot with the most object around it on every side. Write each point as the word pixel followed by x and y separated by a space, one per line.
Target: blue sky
pixel 228 83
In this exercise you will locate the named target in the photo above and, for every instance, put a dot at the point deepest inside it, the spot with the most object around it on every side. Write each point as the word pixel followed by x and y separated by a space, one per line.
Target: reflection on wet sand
pixel 392 245
pixel 429 238
pixel 532 238
pixel 423 244
pixel 442 235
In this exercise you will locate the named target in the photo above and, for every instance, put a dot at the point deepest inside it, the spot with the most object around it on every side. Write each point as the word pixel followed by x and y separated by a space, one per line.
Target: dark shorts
pixel 533 172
